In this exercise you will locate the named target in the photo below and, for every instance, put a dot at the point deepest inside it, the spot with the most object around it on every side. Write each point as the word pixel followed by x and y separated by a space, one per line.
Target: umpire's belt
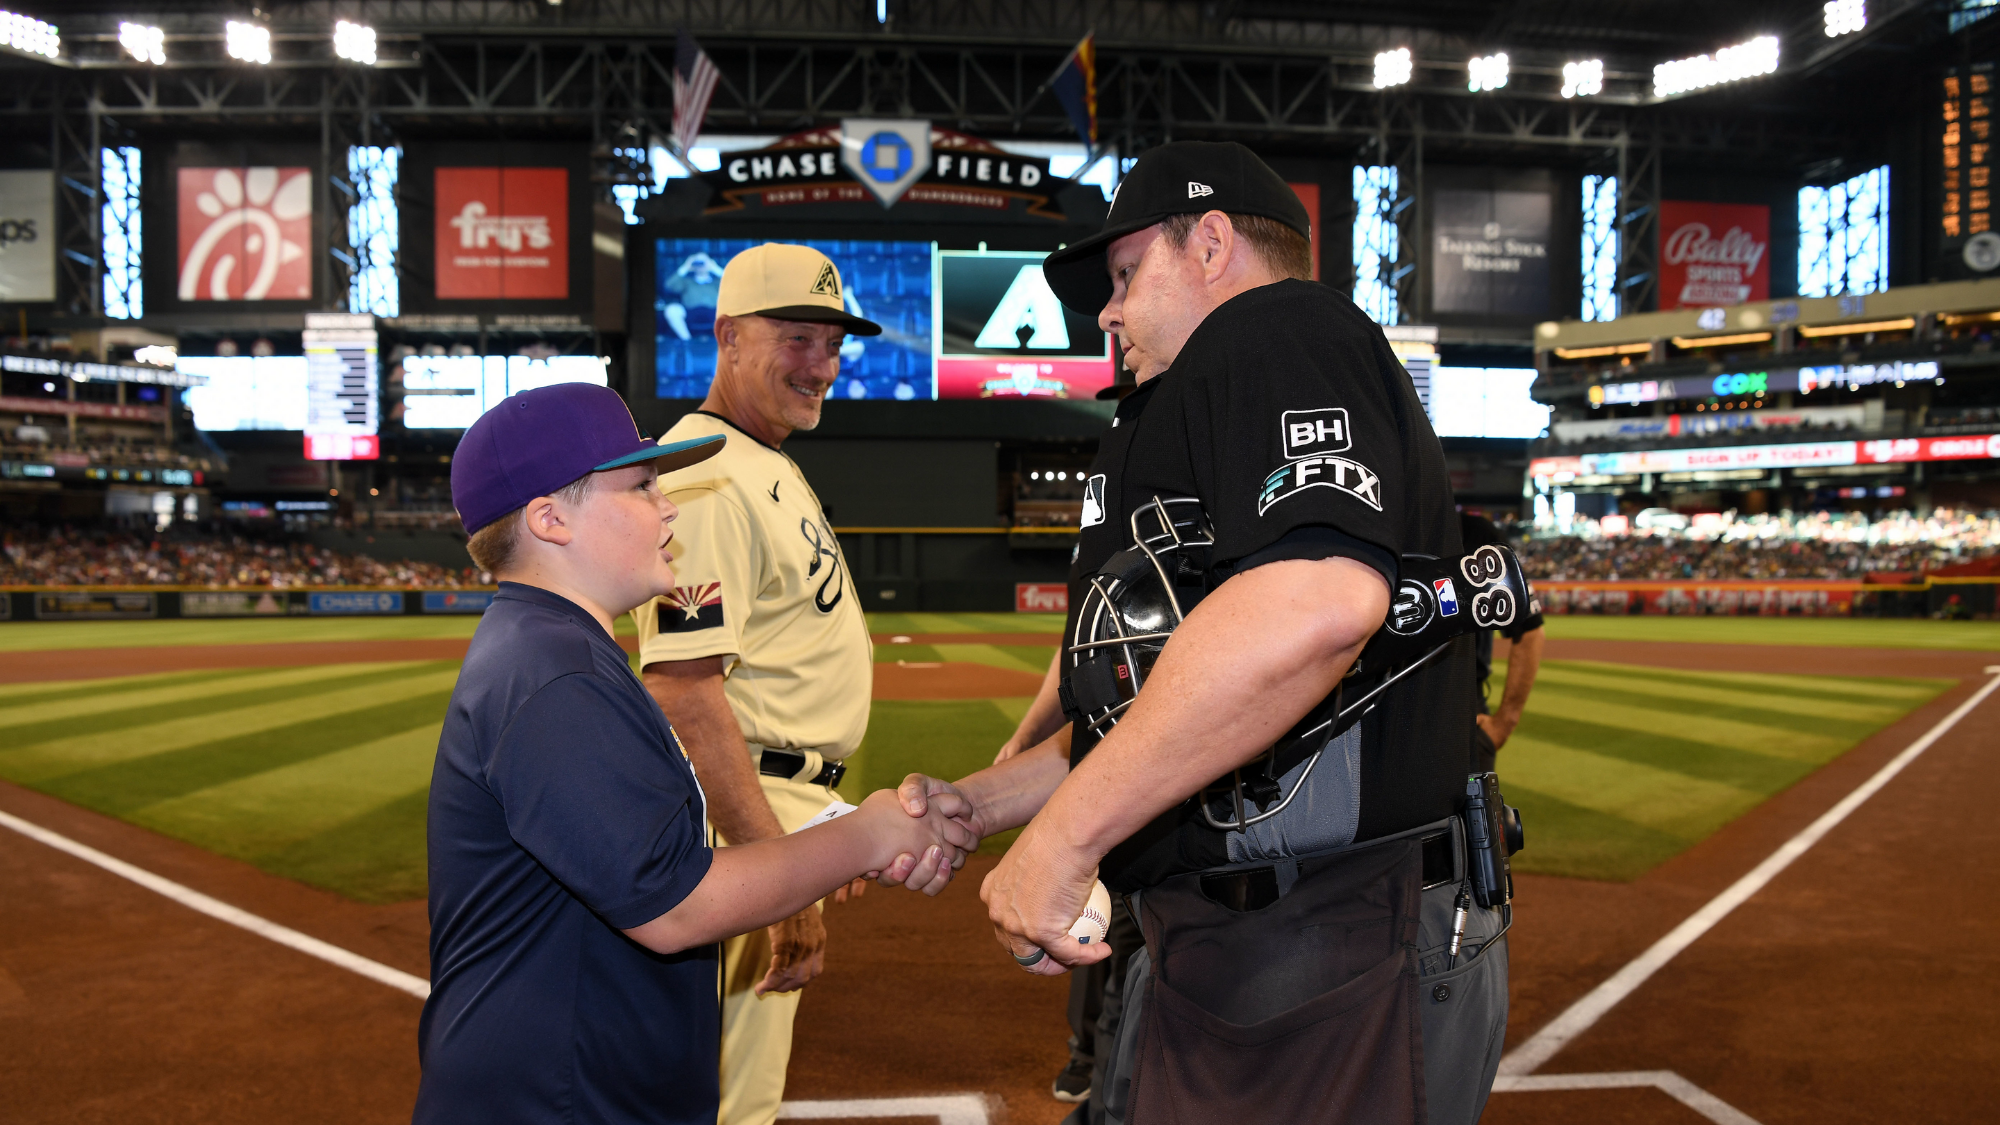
pixel 794 765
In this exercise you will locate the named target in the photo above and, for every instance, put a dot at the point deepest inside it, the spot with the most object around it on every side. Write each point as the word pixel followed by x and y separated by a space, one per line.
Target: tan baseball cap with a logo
pixel 788 282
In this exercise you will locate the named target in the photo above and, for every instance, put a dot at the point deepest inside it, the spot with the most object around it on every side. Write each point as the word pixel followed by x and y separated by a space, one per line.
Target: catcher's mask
pixel 1141 594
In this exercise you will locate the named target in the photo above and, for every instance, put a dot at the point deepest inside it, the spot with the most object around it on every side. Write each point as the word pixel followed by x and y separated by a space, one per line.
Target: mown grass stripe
pixel 273 809
pixel 1658 750
pixel 36 764
pixel 377 856
pixel 1741 703
pixel 28 724
pixel 993 656
pixel 1781 724
pixel 1777 739
pixel 1687 808
pixel 125 787
pixel 1811 686
pixel 39 691
pixel 1569 839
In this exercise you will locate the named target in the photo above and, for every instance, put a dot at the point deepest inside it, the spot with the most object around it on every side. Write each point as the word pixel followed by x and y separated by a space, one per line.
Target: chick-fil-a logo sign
pixel 245 234
pixel 1714 254
pixel 502 232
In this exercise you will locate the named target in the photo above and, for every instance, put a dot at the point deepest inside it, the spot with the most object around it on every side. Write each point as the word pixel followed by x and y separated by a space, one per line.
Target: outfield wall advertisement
pixel 1796 455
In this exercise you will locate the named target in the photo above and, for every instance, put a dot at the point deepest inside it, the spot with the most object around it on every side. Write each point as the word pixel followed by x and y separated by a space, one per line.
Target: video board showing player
pixel 886 282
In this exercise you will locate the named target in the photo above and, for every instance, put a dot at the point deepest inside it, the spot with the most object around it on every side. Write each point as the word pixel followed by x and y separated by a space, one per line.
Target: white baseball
pixel 1095 921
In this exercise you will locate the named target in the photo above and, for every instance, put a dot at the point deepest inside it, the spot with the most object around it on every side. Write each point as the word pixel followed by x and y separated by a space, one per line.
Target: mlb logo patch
pixel 691 608
pixel 1447 596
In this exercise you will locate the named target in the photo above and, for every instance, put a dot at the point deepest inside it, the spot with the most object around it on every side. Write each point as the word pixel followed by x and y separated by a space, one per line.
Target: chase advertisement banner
pixel 358 602
pixel 27 236
pixel 1490 252
pixel 904 165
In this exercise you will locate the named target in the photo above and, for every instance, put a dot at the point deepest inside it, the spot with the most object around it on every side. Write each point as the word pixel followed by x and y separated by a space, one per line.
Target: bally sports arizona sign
pixel 1713 254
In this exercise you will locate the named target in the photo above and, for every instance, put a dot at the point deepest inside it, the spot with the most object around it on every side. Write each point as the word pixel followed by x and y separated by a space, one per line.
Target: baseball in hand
pixel 1095 921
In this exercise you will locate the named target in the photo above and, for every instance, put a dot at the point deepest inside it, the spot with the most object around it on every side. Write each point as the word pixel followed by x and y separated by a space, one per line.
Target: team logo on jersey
pixel 1309 433
pixel 690 608
pixel 1447 596
pixel 1093 501
pixel 1337 473
pixel 825 556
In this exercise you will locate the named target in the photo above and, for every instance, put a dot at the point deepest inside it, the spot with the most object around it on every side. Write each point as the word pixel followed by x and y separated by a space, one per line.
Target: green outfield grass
pixel 1617 768
pixel 321 773
pixel 1857 632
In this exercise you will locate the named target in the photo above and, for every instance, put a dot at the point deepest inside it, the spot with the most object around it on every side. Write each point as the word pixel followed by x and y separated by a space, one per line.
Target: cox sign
pixel 1742 383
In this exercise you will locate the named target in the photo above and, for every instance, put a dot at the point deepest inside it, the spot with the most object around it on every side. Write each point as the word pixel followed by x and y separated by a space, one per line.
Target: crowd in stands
pixel 71 557
pixel 1727 547
pixel 40 445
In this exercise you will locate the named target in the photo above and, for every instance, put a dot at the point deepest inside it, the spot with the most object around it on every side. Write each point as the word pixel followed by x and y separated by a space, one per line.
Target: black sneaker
pixel 1073 1084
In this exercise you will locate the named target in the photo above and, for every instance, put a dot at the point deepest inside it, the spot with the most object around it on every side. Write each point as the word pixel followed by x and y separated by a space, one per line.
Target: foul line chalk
pixel 1582 1015
pixel 1673 1085
pixel 223 912
pixel 953 1109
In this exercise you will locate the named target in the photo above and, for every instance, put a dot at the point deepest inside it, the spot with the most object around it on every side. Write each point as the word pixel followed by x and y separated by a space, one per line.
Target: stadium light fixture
pixel 1844 17
pixel 248 42
pixel 354 42
pixel 1392 68
pixel 1730 64
pixel 143 42
pixel 1583 79
pixel 1487 72
pixel 29 35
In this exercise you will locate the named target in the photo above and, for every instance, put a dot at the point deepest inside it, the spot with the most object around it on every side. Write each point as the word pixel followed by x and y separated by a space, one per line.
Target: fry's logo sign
pixel 244 233
pixel 502 232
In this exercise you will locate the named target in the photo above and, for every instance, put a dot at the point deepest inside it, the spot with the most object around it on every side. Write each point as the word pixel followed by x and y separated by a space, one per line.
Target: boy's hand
pixel 926 848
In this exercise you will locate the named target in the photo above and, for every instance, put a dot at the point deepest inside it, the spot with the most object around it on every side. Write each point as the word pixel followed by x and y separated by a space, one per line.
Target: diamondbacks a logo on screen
pixel 691 608
pixel 1337 473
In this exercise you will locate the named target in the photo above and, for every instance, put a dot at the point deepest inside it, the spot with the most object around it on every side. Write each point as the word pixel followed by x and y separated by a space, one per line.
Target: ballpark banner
pixel 245 233
pixel 356 603
pixel 1794 455
pixel 1699 599
pixel 1490 252
pixel 886 154
pixel 502 232
pixel 27 236
pixel 1713 254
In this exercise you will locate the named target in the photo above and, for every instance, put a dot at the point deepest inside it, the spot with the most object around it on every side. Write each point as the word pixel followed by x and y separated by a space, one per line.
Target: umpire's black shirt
pixel 562 810
pixel 1289 418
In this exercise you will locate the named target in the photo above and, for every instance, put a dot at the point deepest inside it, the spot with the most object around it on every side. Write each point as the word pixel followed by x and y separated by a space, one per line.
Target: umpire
pixel 1302 969
pixel 761 655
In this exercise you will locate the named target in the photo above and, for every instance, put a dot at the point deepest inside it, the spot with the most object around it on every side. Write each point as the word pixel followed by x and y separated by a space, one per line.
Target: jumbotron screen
pixel 886 282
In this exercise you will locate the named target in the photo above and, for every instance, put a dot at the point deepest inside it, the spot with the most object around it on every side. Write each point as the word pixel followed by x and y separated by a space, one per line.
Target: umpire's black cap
pixel 1175 179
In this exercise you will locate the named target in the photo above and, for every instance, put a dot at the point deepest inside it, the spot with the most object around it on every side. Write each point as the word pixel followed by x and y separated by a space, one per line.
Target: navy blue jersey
pixel 562 811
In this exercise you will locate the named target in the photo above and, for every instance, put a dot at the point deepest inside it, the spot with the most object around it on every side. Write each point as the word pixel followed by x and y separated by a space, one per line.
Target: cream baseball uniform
pixel 761 581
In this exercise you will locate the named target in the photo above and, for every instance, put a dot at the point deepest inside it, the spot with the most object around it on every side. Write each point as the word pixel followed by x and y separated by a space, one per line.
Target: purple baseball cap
pixel 538 441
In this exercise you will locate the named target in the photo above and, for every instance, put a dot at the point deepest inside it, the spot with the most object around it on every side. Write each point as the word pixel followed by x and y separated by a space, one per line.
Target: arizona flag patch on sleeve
pixel 690 608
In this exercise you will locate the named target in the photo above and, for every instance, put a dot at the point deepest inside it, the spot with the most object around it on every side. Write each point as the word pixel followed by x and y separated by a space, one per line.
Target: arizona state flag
pixel 690 608
pixel 1075 86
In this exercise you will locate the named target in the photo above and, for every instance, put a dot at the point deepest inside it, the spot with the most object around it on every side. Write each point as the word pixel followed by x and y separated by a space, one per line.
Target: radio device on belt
pixel 1141 594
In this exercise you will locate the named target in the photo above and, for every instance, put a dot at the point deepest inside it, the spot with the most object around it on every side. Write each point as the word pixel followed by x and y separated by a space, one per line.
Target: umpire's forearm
pixel 690 693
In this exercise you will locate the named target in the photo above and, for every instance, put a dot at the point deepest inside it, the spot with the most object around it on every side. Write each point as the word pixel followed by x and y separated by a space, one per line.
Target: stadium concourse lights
pixel 29 35
pixel 1730 64
pixel 1392 68
pixel 248 42
pixel 143 42
pixel 1583 79
pixel 1844 17
pixel 354 42
pixel 1487 72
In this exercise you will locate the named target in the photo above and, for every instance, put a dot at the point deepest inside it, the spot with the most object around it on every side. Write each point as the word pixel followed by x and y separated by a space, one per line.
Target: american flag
pixel 694 84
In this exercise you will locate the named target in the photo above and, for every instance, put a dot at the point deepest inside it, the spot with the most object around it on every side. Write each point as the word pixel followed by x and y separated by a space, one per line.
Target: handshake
pixel 923 832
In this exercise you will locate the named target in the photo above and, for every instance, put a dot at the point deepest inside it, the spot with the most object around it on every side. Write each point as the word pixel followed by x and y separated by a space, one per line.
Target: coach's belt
pixel 787 763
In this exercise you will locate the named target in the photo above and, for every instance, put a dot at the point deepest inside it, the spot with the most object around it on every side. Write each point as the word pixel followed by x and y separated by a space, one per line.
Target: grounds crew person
pixel 1492 726
pixel 574 904
pixel 1296 969
pixel 761 654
